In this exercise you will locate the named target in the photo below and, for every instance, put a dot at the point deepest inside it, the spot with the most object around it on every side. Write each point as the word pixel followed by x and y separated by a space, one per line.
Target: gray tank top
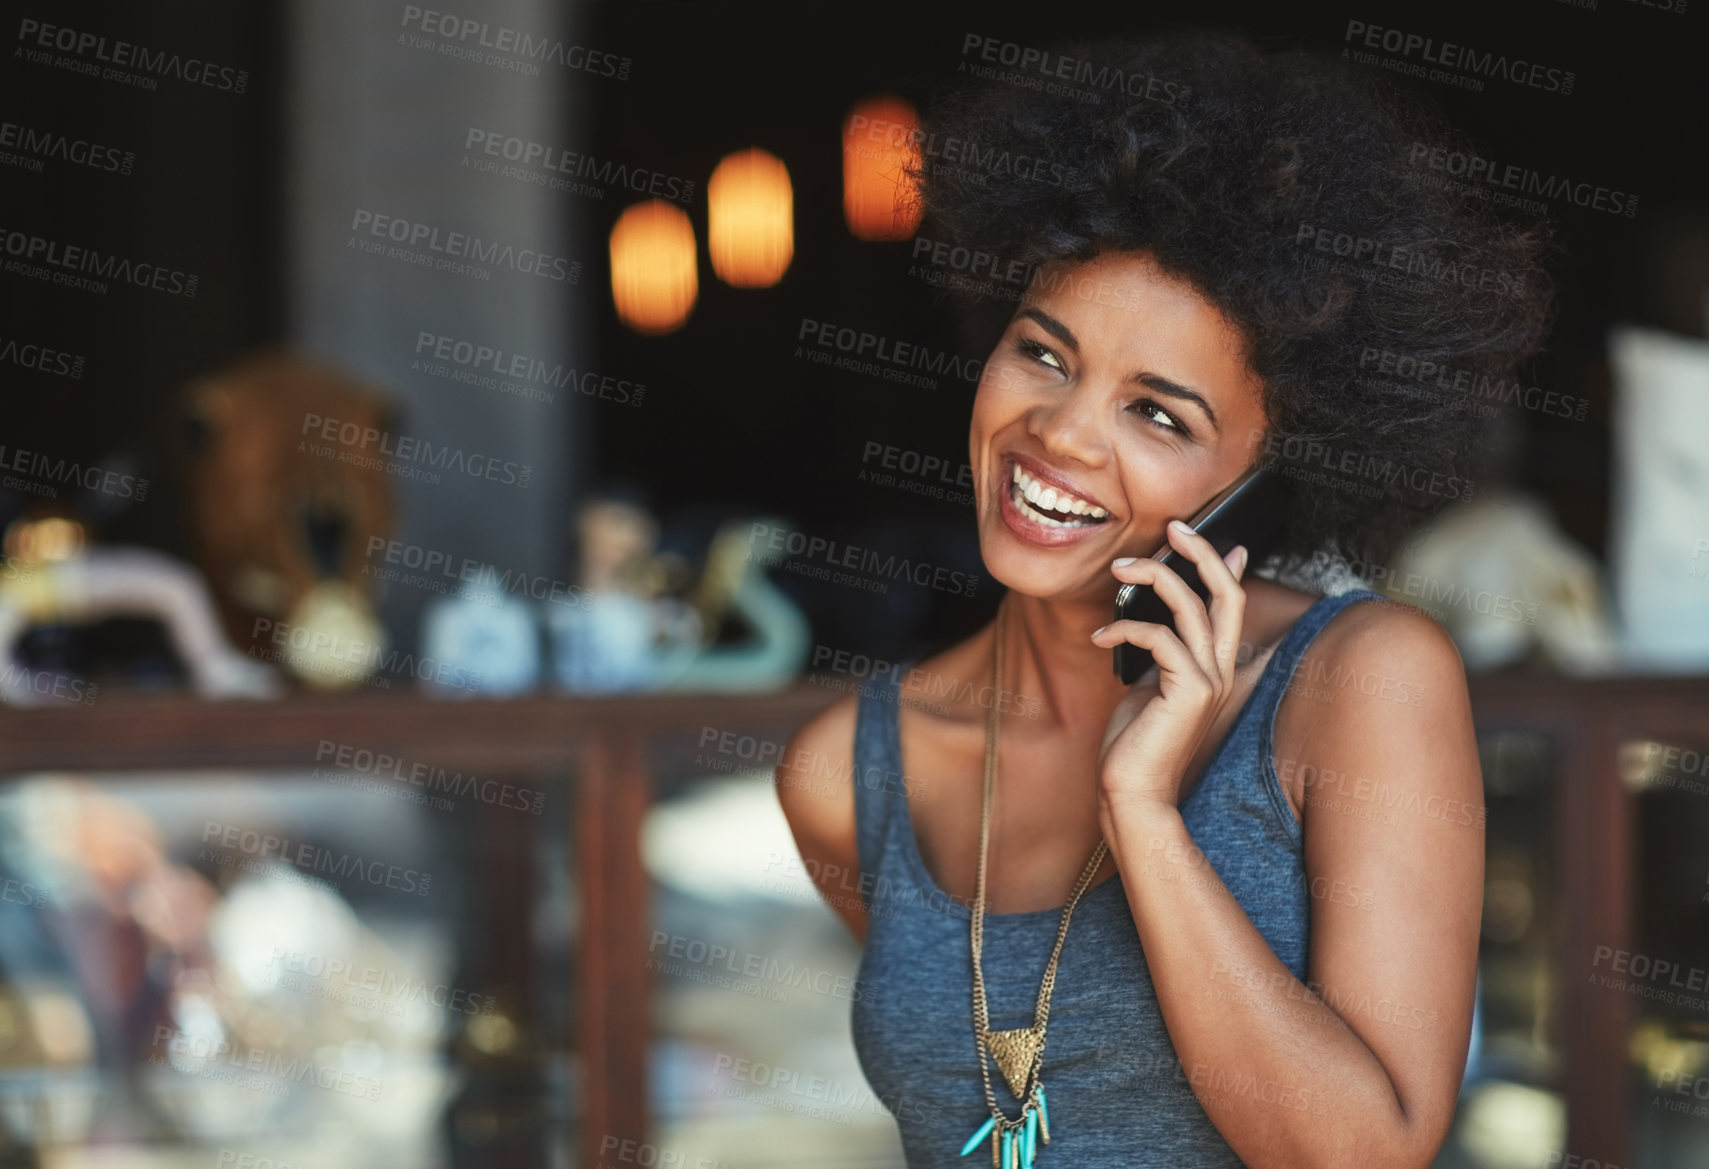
pixel 1116 1090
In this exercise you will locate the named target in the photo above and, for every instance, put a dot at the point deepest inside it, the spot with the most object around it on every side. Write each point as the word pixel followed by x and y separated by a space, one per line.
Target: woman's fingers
pixel 1171 656
pixel 1192 622
pixel 1221 578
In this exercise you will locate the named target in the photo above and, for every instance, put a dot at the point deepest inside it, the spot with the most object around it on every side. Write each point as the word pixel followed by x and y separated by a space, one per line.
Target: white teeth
pixel 1027 490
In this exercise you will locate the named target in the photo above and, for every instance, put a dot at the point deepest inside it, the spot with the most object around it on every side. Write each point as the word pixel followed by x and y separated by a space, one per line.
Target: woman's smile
pixel 1044 507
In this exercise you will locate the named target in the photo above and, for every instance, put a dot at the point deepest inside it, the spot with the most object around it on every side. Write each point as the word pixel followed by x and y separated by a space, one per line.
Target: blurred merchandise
pixel 53 578
pixel 200 1004
pixel 622 636
pixel 1508 584
pixel 619 642
pixel 731 631
pixel 1659 542
pixel 288 465
pixel 774 638
pixel 1504 1125
pixel 481 634
pixel 333 638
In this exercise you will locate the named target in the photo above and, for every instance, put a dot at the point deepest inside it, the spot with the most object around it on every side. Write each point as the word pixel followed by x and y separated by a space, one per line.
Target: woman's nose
pixel 1071 427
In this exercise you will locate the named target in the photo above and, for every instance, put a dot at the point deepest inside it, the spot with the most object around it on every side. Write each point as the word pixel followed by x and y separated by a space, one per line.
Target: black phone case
pixel 1255 514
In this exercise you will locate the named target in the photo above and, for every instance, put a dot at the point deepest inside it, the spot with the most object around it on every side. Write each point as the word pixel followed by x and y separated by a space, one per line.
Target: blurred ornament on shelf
pixel 734 591
pixel 1507 584
pixel 621 636
pixel 286 469
pixel 482 641
pixel 880 141
pixel 1659 538
pixel 52 578
pixel 750 219
pixel 618 642
pixel 654 275
pixel 332 638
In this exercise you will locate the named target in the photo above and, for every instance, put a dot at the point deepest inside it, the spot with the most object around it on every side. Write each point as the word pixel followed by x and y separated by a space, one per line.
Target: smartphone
pixel 1253 511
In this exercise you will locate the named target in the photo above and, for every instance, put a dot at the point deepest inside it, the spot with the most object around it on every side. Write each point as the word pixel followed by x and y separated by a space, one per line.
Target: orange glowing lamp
pixel 880 138
pixel 654 281
pixel 750 227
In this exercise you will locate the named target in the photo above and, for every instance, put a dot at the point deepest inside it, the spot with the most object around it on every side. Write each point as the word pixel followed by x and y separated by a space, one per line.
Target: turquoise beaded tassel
pixel 1015 1148
pixel 973 1141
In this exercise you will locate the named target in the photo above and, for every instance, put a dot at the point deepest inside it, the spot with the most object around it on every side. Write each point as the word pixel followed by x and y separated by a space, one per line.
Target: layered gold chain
pixel 1019 1053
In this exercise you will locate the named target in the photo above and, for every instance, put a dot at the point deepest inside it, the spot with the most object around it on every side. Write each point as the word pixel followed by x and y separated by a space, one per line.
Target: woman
pixel 1270 960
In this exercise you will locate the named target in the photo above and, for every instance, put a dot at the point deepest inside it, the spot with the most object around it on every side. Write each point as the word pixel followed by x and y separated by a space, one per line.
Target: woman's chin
pixel 1045 575
pixel 1045 564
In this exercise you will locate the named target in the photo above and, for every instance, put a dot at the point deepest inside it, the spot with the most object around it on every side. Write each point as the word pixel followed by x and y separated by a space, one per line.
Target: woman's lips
pixel 1034 530
pixel 1049 478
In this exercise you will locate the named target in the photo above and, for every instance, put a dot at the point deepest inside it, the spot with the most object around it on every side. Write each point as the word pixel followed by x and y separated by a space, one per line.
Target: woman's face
pixel 1117 400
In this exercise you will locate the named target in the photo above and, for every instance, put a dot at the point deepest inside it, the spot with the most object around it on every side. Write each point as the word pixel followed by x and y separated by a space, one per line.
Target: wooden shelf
pixel 145 731
pixel 151 731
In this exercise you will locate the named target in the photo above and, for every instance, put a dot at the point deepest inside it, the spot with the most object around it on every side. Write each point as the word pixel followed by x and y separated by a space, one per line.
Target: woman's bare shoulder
pixel 1390 635
pixel 813 773
pixel 815 788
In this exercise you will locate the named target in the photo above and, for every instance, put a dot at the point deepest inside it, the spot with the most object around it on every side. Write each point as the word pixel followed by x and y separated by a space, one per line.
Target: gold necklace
pixel 1019 1053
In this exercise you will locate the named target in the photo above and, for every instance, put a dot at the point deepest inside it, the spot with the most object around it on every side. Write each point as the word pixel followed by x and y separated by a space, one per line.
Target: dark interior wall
pixel 202 197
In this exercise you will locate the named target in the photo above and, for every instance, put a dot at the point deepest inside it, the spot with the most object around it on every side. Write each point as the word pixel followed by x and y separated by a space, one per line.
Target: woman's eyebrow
pixel 1151 380
pixel 1054 327
pixel 1175 390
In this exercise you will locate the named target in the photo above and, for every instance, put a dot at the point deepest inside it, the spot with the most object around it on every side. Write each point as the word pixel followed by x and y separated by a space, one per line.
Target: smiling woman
pixel 1256 974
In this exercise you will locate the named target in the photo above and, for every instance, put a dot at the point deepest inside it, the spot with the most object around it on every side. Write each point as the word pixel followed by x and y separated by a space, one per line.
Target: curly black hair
pixel 1291 191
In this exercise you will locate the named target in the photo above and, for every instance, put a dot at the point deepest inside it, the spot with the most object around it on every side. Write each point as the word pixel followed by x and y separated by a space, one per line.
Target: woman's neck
pixel 1048 655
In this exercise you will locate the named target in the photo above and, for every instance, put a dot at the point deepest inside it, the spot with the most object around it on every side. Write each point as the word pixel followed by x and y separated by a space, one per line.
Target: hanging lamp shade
pixel 653 278
pixel 750 219
pixel 879 200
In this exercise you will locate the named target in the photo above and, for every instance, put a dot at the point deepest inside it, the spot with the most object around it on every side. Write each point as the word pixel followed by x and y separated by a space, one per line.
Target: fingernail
pixel 1179 526
pixel 1099 630
pixel 1122 561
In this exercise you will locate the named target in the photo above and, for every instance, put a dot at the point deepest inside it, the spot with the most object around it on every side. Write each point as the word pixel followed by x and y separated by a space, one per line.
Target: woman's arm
pixel 816 791
pixel 1362 1064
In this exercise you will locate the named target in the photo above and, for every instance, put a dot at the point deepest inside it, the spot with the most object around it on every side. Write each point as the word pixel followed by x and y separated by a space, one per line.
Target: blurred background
pixel 422 431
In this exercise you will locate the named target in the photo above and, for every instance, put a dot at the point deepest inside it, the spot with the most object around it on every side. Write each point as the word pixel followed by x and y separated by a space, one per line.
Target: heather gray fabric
pixel 1117 1093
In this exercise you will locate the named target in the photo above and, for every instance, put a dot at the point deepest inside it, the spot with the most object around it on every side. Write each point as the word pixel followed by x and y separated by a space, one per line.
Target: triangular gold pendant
pixel 1014 1052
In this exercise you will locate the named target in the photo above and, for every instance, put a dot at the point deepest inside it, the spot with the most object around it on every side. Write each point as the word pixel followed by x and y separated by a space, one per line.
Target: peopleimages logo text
pixel 463 246
pixel 132 56
pixel 1449 55
pixel 77 151
pixel 515 42
pixel 27 248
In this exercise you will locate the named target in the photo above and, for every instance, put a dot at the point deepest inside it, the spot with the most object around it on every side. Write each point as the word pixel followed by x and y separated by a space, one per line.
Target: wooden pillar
pixel 612 995
pixel 1596 859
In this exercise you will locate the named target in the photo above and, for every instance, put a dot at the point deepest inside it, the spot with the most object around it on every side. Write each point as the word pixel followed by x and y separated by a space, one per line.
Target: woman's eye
pixel 1158 416
pixel 1038 353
